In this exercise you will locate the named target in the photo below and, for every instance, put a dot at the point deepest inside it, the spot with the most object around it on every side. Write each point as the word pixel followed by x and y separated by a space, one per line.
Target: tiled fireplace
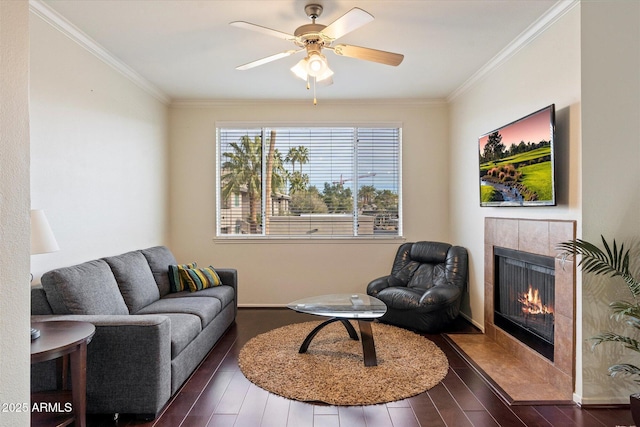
pixel 549 304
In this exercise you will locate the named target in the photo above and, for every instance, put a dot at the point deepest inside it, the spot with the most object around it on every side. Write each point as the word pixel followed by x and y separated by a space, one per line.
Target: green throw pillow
pixel 199 278
pixel 175 280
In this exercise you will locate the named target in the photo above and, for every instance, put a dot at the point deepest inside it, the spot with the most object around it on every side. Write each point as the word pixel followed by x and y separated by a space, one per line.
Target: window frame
pixel 264 127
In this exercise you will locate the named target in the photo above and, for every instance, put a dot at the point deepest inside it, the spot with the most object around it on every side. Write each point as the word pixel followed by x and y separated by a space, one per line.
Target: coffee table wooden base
pixel 368 344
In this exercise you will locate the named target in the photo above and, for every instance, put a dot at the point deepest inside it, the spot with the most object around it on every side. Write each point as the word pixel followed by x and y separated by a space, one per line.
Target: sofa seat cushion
pixel 159 259
pixel 135 279
pixel 88 288
pixel 224 293
pixel 205 308
pixel 184 329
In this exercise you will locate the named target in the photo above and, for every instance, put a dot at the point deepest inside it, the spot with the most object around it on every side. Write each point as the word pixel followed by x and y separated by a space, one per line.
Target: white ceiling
pixel 188 50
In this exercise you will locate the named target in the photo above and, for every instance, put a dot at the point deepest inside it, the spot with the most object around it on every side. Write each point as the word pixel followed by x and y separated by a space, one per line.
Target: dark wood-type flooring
pixel 219 395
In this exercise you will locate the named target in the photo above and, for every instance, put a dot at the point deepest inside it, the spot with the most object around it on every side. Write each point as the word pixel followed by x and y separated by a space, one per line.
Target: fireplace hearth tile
pixel 509 233
pixel 506 233
pixel 533 237
pixel 563 356
pixel 488 283
pixel 560 231
pixel 511 378
pixel 565 295
pixel 489 231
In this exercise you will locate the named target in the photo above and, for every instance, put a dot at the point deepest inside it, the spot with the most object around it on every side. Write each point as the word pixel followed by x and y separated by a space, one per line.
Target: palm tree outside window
pixel 309 182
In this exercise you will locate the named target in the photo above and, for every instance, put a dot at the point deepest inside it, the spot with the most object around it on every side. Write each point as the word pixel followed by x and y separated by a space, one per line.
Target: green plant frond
pixel 611 262
pixel 624 308
pixel 632 283
pixel 597 261
pixel 629 343
pixel 633 322
pixel 625 369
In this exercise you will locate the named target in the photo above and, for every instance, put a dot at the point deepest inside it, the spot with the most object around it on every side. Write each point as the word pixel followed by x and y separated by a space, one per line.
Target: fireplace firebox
pixel 524 298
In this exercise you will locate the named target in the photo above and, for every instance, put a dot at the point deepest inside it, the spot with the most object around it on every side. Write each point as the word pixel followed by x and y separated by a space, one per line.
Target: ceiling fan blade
pixel 267 59
pixel 263 30
pixel 348 22
pixel 388 58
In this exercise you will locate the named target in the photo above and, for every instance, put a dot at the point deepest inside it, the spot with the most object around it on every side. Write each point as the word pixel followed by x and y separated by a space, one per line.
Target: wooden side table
pixel 68 341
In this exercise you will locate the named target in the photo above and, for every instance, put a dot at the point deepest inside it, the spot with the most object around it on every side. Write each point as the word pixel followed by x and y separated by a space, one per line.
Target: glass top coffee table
pixel 341 308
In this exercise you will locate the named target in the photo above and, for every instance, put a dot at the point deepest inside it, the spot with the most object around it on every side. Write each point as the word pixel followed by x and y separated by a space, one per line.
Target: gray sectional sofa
pixel 148 340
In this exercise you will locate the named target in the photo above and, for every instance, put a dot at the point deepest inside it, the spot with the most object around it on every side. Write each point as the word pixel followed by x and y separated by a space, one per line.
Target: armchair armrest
pixel 376 285
pixel 438 296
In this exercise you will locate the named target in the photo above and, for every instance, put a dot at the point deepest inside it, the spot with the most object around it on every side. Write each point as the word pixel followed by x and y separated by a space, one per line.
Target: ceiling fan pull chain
pixel 315 101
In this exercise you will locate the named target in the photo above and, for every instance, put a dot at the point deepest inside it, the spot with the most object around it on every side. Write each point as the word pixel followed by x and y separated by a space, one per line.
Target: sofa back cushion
pixel 135 279
pixel 39 302
pixel 88 288
pixel 159 259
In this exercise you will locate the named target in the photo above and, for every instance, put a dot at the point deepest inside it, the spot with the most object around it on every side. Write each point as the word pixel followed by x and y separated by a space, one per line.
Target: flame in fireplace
pixel 532 304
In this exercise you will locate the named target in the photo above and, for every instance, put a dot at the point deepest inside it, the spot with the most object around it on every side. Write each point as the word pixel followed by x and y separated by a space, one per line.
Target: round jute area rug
pixel 332 370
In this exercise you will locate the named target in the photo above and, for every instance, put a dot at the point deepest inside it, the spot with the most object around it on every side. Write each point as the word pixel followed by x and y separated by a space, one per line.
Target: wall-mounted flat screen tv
pixel 517 162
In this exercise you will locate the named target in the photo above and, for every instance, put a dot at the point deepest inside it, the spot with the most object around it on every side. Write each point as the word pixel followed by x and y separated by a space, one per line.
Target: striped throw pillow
pixel 175 280
pixel 199 278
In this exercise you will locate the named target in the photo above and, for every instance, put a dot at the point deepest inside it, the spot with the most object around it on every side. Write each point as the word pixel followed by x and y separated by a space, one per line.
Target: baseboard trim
pixel 602 402
pixel 473 322
pixel 262 306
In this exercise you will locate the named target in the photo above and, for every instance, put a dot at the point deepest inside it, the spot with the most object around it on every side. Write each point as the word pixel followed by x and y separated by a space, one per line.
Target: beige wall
pixel 588 64
pixel 14 210
pixel 276 272
pixel 610 176
pixel 98 153
pixel 545 71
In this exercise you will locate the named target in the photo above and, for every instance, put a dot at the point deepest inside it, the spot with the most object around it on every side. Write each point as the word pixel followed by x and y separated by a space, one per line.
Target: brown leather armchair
pixel 425 287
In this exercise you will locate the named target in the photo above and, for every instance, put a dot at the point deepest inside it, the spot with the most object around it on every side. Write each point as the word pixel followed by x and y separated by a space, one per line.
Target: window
pixel 309 181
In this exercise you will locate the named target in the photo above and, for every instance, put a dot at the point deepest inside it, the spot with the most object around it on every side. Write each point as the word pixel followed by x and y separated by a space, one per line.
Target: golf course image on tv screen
pixel 517 162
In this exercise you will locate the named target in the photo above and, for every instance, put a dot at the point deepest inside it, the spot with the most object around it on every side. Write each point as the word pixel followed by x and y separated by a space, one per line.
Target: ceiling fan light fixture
pixel 316 64
pixel 300 69
pixel 324 76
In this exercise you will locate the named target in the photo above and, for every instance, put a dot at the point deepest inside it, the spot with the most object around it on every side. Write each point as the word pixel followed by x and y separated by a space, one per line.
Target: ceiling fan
pixel 313 37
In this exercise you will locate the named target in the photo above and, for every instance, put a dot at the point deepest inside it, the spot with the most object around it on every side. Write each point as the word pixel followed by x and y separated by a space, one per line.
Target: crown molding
pixel 57 21
pixel 212 103
pixel 554 13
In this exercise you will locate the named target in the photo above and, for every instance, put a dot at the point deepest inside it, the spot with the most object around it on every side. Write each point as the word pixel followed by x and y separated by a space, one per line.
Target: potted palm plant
pixel 613 262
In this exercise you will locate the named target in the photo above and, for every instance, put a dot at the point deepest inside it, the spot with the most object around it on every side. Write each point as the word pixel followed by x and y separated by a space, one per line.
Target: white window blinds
pixel 309 181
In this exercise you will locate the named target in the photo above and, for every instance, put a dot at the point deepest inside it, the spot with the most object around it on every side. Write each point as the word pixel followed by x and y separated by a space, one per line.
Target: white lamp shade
pixel 300 69
pixel 325 75
pixel 42 238
pixel 314 65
